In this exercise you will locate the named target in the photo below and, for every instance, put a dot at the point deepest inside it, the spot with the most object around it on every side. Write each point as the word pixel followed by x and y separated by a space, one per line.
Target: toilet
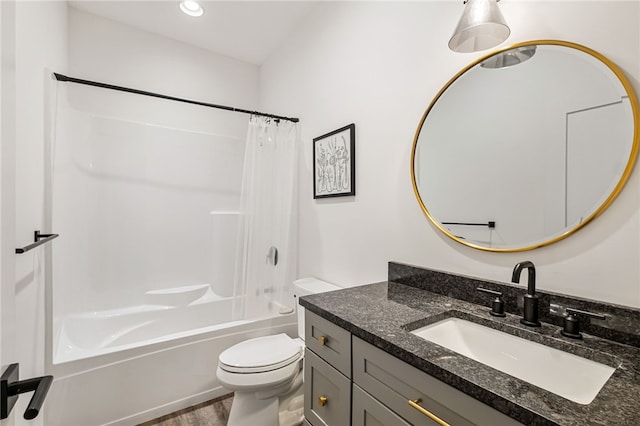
pixel 266 373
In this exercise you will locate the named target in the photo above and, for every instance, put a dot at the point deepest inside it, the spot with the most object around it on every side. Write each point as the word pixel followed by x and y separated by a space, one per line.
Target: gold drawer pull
pixel 322 401
pixel 414 403
pixel 322 340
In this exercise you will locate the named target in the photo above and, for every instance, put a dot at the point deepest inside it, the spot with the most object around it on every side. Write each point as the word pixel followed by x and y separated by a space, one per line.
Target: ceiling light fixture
pixel 481 27
pixel 191 8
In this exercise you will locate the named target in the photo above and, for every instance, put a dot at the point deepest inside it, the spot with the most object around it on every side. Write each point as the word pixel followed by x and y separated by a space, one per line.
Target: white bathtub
pixel 128 365
pixel 170 314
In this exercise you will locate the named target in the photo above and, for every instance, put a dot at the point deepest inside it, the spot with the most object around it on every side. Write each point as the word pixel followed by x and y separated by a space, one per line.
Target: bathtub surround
pixel 224 227
pixel 152 192
pixel 133 193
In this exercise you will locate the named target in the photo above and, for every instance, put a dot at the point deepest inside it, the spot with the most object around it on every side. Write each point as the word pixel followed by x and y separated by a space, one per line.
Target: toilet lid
pixel 261 354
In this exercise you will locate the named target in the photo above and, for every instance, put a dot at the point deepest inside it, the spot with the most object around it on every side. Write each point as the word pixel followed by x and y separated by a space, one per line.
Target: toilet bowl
pixel 266 373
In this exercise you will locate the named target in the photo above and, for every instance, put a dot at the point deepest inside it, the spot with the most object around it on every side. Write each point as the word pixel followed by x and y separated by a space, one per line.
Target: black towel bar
pixel 490 224
pixel 38 239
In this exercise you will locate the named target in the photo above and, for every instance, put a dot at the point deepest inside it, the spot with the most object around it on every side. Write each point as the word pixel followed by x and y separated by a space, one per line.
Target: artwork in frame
pixel 334 163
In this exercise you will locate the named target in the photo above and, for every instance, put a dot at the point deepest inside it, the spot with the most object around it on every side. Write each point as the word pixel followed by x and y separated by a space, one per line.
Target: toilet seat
pixel 257 382
pixel 261 354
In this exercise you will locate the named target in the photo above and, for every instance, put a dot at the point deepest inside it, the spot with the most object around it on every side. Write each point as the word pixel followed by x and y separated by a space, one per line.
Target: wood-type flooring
pixel 210 413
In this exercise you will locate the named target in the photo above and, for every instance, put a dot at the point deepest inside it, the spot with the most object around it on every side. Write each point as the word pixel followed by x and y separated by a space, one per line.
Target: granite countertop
pixel 384 313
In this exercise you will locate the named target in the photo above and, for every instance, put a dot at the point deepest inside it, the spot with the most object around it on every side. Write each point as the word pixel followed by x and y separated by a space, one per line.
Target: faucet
pixel 530 316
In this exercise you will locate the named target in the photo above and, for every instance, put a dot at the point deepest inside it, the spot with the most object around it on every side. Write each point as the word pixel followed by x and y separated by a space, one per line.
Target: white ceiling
pixel 246 30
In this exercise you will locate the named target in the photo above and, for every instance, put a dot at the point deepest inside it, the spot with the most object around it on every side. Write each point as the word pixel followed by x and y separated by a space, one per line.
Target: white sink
pixel 575 378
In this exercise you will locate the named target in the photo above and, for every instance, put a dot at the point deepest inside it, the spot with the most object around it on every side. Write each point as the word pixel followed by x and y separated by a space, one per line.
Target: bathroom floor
pixel 210 413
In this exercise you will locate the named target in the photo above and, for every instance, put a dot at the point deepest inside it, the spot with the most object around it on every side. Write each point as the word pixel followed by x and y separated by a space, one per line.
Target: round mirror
pixel 525 146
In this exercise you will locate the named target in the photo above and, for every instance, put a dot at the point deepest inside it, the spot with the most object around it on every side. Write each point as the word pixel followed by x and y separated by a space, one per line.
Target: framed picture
pixel 334 163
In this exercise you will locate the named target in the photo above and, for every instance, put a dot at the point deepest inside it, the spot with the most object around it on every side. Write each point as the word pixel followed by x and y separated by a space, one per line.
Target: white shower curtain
pixel 267 240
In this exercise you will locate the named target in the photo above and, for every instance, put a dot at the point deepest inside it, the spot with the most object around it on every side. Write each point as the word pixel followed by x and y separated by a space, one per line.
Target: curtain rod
pixel 61 77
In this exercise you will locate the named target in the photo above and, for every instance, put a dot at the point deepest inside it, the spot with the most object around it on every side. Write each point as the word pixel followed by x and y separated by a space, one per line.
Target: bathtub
pixel 128 365
pixel 169 314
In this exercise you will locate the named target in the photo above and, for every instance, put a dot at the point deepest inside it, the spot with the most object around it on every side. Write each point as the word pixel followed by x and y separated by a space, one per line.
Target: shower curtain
pixel 267 241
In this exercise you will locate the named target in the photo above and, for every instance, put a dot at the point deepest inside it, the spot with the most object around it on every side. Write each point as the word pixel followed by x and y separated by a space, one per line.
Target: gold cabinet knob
pixel 322 401
pixel 322 340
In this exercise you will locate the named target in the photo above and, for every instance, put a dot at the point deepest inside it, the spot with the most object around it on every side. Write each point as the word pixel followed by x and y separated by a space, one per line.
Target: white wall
pixel 104 50
pixel 379 65
pixel 7 187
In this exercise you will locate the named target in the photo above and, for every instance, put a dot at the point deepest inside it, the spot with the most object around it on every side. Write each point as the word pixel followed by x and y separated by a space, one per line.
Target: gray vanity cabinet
pixel 366 410
pixel 351 382
pixel 329 342
pixel 395 383
pixel 327 373
pixel 327 393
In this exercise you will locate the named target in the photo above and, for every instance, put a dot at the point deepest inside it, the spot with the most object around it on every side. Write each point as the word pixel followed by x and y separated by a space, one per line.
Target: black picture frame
pixel 334 163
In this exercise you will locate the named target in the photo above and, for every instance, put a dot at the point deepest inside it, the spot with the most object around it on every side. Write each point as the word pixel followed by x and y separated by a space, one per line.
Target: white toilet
pixel 265 373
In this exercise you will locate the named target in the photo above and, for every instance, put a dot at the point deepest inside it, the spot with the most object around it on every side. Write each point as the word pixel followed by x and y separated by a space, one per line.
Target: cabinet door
pixel 327 393
pixel 367 411
pixel 329 341
pixel 415 395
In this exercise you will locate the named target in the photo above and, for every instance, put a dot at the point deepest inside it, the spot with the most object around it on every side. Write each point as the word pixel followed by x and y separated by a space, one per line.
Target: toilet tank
pixel 303 287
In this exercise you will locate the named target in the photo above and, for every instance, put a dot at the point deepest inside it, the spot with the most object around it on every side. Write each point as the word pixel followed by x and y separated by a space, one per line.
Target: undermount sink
pixel 569 376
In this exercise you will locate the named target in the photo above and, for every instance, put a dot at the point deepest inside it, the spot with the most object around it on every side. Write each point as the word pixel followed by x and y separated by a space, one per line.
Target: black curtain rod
pixel 61 77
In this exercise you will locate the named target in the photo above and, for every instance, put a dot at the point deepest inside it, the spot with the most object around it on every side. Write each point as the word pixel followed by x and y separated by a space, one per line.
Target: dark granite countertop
pixel 384 313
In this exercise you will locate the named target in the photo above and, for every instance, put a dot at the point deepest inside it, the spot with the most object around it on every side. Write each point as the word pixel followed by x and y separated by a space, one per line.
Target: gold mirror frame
pixel 623 179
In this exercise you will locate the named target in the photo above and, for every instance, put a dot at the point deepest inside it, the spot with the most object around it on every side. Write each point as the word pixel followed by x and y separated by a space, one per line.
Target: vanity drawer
pixel 331 342
pixel 395 383
pixel 367 411
pixel 327 393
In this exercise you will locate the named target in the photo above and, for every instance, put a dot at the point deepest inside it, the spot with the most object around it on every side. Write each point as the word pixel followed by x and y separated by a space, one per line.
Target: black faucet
pixel 530 316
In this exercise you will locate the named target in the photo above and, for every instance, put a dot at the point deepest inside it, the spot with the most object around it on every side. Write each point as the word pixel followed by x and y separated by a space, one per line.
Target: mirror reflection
pixel 525 146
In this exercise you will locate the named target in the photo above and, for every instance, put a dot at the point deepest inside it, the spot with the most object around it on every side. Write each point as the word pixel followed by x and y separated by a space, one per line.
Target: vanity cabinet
pixel 375 388
pixel 366 410
pixel 327 372
pixel 417 397
pixel 329 341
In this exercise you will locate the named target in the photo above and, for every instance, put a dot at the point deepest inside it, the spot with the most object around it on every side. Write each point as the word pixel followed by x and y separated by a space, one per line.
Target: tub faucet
pixel 530 316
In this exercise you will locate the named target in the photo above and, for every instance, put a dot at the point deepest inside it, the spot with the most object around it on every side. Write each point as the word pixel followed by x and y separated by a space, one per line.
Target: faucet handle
pixel 497 306
pixel 571 327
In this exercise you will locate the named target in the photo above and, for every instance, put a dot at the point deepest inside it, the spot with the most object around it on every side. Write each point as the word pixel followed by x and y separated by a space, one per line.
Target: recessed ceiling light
pixel 191 8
